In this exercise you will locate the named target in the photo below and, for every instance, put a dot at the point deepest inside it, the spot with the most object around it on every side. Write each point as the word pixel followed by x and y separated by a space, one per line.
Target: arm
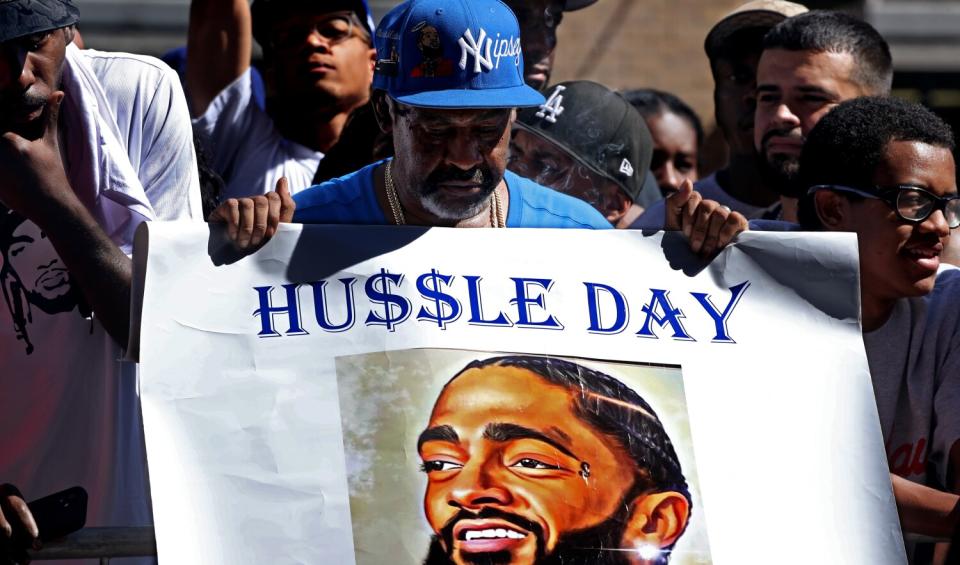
pixel 37 188
pixel 925 511
pixel 219 44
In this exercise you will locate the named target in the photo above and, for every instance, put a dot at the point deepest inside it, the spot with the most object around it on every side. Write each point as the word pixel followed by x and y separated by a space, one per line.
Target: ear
pixel 373 59
pixel 68 34
pixel 832 209
pixel 382 111
pixel 616 204
pixel 657 520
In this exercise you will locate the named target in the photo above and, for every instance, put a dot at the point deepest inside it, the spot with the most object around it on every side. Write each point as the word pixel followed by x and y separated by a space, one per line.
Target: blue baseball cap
pixel 452 54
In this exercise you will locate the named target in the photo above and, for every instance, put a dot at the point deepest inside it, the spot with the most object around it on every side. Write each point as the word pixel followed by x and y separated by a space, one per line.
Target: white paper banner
pixel 623 403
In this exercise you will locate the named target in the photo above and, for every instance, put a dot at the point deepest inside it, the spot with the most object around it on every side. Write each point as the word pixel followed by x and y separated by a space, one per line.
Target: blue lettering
pixel 670 315
pixel 622 317
pixel 720 318
pixel 320 305
pixel 476 306
pixel 267 311
pixel 524 303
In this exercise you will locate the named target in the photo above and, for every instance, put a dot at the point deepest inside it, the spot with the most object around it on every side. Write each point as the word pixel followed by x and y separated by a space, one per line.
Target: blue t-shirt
pixel 351 199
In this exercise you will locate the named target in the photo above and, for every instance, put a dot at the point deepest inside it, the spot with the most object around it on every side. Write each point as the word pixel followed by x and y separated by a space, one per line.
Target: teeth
pixel 498 533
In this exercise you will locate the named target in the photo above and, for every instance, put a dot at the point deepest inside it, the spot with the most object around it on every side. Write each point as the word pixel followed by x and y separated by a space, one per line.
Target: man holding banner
pixel 449 109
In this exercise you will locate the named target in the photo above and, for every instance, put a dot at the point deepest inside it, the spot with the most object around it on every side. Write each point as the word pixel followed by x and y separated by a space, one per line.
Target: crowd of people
pixel 416 121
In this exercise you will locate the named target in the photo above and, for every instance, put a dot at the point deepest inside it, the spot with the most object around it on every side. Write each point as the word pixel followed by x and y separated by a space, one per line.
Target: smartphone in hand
pixel 60 513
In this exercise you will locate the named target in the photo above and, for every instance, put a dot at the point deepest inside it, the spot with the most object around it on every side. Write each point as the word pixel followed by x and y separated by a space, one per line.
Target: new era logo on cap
pixel 452 54
pixel 626 168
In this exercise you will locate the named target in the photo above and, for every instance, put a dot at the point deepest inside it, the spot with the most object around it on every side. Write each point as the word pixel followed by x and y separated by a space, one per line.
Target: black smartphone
pixel 60 513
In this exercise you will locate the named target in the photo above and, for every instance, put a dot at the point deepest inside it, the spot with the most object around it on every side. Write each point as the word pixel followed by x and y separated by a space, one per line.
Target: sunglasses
pixel 334 28
pixel 911 203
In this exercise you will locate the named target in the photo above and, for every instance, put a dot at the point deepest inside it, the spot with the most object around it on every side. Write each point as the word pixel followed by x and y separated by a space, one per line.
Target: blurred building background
pixel 630 43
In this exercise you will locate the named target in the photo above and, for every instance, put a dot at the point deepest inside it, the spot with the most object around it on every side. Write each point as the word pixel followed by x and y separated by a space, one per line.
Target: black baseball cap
pixel 264 12
pixel 601 130
pixel 25 17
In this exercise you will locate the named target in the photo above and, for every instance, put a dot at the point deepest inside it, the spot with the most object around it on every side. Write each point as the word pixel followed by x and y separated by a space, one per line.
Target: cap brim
pixel 512 97
pixel 573 5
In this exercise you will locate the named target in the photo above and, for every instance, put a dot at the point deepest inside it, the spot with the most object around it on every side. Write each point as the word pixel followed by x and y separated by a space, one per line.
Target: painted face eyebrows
pixel 437 433
pixel 504 432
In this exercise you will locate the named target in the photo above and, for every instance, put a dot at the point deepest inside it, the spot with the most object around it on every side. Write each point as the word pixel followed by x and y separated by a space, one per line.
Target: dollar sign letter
pixel 396 308
pixel 447 308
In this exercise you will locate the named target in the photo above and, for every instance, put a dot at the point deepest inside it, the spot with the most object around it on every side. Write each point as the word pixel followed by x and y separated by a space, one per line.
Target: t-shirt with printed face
pixel 70 409
pixel 351 199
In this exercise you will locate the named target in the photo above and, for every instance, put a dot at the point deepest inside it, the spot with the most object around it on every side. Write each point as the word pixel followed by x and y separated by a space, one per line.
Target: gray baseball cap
pixel 25 17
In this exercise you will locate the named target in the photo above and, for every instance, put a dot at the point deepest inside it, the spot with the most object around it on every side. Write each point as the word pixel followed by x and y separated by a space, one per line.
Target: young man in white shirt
pixel 318 67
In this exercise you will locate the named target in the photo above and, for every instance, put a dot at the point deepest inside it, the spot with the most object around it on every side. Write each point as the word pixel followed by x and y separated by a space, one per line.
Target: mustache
pixel 784 132
pixel 486 513
pixel 25 102
pixel 479 175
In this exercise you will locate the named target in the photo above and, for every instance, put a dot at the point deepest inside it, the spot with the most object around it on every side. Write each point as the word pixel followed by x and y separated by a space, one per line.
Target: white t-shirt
pixel 70 409
pixel 654 217
pixel 245 147
pixel 915 365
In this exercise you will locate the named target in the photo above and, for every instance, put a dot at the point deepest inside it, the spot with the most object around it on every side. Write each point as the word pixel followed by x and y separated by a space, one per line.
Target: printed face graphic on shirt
pixel 516 476
pixel 32 274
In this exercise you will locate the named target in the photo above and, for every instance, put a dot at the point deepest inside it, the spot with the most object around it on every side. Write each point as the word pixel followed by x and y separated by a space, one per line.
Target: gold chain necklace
pixel 497 219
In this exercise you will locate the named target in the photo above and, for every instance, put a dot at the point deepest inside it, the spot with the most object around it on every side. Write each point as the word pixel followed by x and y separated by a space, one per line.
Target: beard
pixel 438 203
pixel 598 545
pixel 780 172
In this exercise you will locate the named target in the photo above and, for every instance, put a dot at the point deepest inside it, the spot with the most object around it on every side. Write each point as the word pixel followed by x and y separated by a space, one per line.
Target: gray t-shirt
pixel 915 366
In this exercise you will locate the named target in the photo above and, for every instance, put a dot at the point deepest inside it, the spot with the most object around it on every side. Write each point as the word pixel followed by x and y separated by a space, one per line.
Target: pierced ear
pixel 657 521
pixel 831 209
pixel 382 111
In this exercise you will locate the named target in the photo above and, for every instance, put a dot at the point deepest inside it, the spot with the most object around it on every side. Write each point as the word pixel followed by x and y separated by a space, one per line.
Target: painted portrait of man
pixel 433 63
pixel 536 460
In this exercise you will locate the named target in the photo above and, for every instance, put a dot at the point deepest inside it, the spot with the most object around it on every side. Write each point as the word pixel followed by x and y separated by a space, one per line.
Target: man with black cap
pixel 318 64
pixel 589 142
pixel 539 20
pixel 450 110
pixel 91 145
pixel 734 46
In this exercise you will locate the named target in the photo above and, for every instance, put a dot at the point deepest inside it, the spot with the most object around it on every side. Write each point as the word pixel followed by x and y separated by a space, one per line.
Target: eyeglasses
pixel 333 28
pixel 911 203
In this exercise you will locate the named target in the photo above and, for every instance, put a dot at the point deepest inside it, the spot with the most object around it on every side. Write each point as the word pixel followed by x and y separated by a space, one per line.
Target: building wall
pixel 643 43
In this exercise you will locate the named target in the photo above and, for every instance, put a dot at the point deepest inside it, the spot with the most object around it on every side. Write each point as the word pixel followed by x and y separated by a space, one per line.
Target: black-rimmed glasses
pixel 911 203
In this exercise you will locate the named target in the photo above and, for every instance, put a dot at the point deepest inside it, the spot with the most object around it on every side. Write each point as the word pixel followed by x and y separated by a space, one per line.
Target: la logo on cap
pixel 553 106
